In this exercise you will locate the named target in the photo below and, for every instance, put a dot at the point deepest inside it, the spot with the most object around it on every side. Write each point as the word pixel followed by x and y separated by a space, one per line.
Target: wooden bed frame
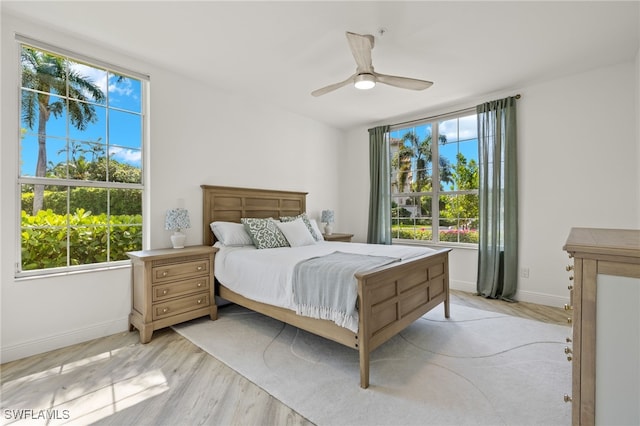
pixel 389 298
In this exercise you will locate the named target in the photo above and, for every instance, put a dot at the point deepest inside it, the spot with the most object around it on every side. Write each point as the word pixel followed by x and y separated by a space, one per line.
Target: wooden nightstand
pixel 338 237
pixel 170 286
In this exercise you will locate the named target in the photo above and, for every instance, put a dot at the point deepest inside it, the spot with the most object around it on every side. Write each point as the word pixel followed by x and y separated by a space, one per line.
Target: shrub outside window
pixel 434 180
pixel 80 173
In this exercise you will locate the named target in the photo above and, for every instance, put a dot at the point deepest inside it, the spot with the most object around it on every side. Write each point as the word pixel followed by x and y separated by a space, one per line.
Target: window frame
pixel 144 81
pixel 435 193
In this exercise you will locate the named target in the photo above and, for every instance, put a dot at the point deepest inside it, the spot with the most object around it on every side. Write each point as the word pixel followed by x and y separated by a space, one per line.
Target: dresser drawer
pixel 181 288
pixel 175 271
pixel 178 306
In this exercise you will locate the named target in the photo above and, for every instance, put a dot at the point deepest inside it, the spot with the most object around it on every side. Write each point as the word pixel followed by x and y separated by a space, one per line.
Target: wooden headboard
pixel 229 204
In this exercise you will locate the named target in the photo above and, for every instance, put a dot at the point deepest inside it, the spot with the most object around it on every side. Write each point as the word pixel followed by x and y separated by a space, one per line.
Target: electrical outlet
pixel 524 272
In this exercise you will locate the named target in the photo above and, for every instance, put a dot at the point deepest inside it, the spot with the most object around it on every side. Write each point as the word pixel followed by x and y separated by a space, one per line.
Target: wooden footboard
pixel 392 297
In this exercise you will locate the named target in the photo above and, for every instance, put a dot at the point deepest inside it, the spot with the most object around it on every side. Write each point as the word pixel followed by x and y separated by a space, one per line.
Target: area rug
pixel 475 368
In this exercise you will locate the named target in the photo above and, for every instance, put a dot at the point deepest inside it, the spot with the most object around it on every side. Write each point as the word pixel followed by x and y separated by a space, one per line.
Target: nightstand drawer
pixel 338 237
pixel 182 288
pixel 178 306
pixel 171 272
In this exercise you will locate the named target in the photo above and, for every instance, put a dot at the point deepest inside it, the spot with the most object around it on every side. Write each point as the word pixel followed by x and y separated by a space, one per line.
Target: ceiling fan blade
pixel 403 82
pixel 361 46
pixel 332 87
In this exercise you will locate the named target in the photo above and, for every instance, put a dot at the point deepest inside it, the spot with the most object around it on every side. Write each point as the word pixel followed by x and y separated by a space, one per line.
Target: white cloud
pixel 129 156
pixel 123 88
pixel 96 75
pixel 460 129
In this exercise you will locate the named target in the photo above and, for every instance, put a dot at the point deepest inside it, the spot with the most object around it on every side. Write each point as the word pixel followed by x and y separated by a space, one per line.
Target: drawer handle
pixel 567 350
pixel 165 273
pixel 200 268
pixel 199 301
pixel 567 307
pixel 199 283
pixel 165 310
pixel 567 398
pixel 165 291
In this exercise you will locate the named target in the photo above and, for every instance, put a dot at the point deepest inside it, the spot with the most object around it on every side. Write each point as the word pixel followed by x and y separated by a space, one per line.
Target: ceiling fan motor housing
pixel 365 81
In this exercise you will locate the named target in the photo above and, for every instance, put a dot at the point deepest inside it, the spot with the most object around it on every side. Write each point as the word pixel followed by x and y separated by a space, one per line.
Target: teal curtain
pixel 379 230
pixel 498 204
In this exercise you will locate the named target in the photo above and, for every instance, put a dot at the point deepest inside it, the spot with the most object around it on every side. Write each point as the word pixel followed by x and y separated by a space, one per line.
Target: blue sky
pixel 122 129
pixel 462 135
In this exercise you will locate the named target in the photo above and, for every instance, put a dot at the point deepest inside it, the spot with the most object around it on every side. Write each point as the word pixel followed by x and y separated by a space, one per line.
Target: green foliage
pixel 44 238
pixel 400 212
pixel 411 233
pixel 460 236
pixel 123 201
pixel 425 233
pixel 95 169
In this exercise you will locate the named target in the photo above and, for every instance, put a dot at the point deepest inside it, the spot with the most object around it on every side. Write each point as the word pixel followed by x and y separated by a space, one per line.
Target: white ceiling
pixel 278 52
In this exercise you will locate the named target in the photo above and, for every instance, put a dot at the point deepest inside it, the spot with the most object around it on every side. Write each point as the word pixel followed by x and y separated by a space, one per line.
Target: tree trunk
pixel 41 165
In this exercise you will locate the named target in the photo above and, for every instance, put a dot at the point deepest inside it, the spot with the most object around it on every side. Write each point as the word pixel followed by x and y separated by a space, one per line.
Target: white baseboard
pixel 522 296
pixel 49 343
pixel 542 298
pixel 466 286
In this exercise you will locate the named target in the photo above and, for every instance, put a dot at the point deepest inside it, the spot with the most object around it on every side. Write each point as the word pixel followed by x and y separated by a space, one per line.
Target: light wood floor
pixel 116 380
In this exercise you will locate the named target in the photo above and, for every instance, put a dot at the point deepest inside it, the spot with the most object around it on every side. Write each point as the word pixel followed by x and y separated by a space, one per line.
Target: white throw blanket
pixel 325 287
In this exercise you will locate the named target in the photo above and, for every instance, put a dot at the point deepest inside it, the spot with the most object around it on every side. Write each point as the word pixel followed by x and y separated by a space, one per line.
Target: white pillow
pixel 305 219
pixel 316 228
pixel 296 233
pixel 231 234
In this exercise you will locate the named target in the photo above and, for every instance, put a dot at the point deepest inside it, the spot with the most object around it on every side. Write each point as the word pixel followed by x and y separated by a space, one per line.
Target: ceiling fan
pixel 365 77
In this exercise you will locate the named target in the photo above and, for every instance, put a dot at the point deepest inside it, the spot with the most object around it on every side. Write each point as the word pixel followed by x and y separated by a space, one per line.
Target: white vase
pixel 328 229
pixel 177 239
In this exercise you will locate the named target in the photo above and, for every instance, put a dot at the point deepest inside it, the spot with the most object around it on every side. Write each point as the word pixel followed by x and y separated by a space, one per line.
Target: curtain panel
pixel 498 204
pixel 379 229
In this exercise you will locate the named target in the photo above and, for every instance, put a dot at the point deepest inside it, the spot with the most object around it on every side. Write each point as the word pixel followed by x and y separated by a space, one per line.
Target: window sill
pixel 44 273
pixel 436 246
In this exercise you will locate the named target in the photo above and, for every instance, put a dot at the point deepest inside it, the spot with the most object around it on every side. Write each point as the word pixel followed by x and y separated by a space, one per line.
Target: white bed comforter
pixel 265 275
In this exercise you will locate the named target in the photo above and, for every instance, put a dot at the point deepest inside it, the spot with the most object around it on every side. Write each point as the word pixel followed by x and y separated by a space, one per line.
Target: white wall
pixel 198 135
pixel 578 161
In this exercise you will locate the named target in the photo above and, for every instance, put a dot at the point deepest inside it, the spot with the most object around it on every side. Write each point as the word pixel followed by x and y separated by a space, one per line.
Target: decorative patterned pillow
pixel 264 233
pixel 305 219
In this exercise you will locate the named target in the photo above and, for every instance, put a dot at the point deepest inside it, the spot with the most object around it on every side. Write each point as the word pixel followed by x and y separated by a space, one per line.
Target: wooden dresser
pixel 170 286
pixel 605 306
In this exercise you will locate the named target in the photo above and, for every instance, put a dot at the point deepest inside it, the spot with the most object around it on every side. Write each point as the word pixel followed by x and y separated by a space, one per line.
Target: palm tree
pixel 45 74
pixel 419 151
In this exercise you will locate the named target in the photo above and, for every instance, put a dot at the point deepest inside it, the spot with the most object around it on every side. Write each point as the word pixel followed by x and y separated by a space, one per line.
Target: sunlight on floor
pixel 83 393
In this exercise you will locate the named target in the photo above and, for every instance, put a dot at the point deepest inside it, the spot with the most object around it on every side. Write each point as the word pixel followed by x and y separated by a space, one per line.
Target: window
pixel 434 180
pixel 80 172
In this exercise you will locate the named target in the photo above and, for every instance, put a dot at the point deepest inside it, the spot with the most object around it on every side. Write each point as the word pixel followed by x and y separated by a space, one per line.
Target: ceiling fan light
pixel 365 81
